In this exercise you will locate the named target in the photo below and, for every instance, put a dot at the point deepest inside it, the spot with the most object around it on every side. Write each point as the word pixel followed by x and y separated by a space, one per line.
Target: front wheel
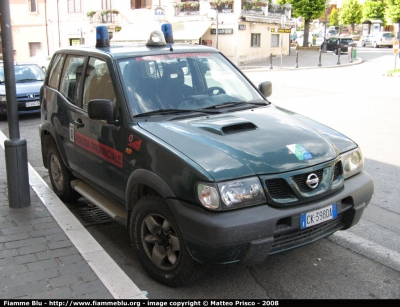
pixel 159 245
pixel 60 176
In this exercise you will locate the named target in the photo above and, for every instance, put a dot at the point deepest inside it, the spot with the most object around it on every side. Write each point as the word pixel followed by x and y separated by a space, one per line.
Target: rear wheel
pixel 60 176
pixel 159 244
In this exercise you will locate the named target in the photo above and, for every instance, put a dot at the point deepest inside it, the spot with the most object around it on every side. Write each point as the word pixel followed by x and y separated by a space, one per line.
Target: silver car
pixel 378 39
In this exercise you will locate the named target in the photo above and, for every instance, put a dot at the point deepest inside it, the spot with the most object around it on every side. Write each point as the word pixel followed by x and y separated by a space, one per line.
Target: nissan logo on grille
pixel 312 181
pixel 31 96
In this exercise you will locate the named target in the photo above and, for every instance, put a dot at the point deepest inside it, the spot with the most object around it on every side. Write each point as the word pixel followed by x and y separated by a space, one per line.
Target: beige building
pixel 245 31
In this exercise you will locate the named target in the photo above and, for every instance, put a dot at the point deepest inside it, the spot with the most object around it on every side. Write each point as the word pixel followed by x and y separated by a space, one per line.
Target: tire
pixel 60 176
pixel 159 245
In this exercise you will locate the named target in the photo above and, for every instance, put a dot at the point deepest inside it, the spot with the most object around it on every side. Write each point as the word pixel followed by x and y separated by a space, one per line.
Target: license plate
pixel 32 104
pixel 318 216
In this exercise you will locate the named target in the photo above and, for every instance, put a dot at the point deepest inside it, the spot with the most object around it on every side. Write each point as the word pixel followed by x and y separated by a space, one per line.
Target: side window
pixel 70 77
pixel 98 84
pixel 55 71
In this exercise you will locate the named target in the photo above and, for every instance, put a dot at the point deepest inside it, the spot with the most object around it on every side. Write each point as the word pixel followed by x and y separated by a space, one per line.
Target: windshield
pixel 25 73
pixel 187 81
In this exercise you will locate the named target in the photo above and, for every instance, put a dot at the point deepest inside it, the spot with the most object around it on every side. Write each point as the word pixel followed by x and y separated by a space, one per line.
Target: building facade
pixel 245 31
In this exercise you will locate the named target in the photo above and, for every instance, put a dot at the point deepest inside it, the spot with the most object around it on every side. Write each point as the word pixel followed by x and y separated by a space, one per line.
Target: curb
pixel 110 274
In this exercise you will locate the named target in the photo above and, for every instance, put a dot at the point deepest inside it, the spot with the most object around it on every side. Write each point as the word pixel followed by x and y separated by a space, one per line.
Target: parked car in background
pixel 333 43
pixel 378 39
pixel 314 39
pixel 345 32
pixel 331 32
pixel 28 80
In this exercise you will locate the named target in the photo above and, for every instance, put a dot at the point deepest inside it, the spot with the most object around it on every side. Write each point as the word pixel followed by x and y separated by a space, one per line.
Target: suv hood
pixel 252 142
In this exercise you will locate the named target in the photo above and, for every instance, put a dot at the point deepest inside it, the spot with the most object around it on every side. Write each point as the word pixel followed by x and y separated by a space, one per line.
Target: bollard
pixel 319 63
pixel 297 60
pixel 338 58
pixel 270 61
pixel 351 54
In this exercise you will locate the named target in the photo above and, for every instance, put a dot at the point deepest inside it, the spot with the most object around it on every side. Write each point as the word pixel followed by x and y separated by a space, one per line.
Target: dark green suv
pixel 178 145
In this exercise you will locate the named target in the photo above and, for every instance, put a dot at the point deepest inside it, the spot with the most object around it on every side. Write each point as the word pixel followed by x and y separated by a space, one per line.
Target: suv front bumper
pixel 249 235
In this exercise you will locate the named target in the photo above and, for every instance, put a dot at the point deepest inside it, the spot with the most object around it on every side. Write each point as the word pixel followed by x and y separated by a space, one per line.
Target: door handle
pixel 79 123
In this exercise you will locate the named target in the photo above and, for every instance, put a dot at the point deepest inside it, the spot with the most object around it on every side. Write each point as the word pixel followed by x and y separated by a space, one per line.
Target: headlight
pixel 353 162
pixel 3 98
pixel 232 194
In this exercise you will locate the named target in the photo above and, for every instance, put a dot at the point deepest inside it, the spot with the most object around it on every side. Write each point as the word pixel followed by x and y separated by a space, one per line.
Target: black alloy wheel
pixel 60 176
pixel 159 245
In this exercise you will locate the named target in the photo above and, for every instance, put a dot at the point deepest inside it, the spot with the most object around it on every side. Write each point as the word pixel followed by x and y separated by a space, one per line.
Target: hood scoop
pixel 225 125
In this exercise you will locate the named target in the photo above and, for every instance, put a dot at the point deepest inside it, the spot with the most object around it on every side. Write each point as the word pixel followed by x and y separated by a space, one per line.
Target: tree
pixel 308 9
pixel 393 12
pixel 351 13
pixel 334 17
pixel 374 9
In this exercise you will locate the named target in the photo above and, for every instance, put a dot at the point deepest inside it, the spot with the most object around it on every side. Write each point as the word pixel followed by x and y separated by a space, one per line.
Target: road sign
pixel 396 46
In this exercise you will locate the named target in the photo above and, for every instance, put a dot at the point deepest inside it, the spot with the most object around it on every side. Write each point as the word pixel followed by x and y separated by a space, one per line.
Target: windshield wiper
pixel 224 105
pixel 26 80
pixel 163 111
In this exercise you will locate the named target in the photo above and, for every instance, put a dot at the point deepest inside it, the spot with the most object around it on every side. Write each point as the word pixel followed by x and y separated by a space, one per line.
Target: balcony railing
pixel 187 8
pixel 105 16
pixel 266 8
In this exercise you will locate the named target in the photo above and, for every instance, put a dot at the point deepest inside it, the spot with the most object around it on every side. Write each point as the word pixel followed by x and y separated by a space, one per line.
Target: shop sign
pixel 276 30
pixel 222 31
pixel 159 13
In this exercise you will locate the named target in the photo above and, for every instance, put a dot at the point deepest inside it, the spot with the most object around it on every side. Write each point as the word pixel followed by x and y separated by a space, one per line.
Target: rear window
pixel 388 35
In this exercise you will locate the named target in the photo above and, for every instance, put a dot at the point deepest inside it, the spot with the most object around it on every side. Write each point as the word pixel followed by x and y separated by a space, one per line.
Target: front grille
pixel 278 188
pixel 291 189
pixel 299 237
pixel 337 171
pixel 302 178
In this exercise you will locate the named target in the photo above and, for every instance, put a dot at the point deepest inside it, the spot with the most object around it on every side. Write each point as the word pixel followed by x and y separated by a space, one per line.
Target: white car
pixel 314 39
pixel 378 39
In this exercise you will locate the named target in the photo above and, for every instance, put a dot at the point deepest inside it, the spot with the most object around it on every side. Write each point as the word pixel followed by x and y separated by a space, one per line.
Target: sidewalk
pixel 45 252
pixel 306 59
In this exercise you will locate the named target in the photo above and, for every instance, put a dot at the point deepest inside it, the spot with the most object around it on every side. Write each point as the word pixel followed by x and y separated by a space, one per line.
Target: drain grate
pixel 88 214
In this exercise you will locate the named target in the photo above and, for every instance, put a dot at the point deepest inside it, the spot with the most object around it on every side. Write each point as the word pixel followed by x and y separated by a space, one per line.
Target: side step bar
pixel 102 201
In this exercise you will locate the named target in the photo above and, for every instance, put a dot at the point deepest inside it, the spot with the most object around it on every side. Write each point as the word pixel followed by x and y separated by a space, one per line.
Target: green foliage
pixel 308 9
pixel 334 17
pixel 373 10
pixel 393 10
pixel 351 13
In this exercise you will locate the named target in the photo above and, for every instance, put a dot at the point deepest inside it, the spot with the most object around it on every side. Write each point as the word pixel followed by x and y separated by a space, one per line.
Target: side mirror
pixel 102 109
pixel 265 88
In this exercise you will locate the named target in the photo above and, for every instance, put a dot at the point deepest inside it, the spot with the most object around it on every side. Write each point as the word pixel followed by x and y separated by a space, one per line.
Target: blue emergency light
pixel 102 39
pixel 166 28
